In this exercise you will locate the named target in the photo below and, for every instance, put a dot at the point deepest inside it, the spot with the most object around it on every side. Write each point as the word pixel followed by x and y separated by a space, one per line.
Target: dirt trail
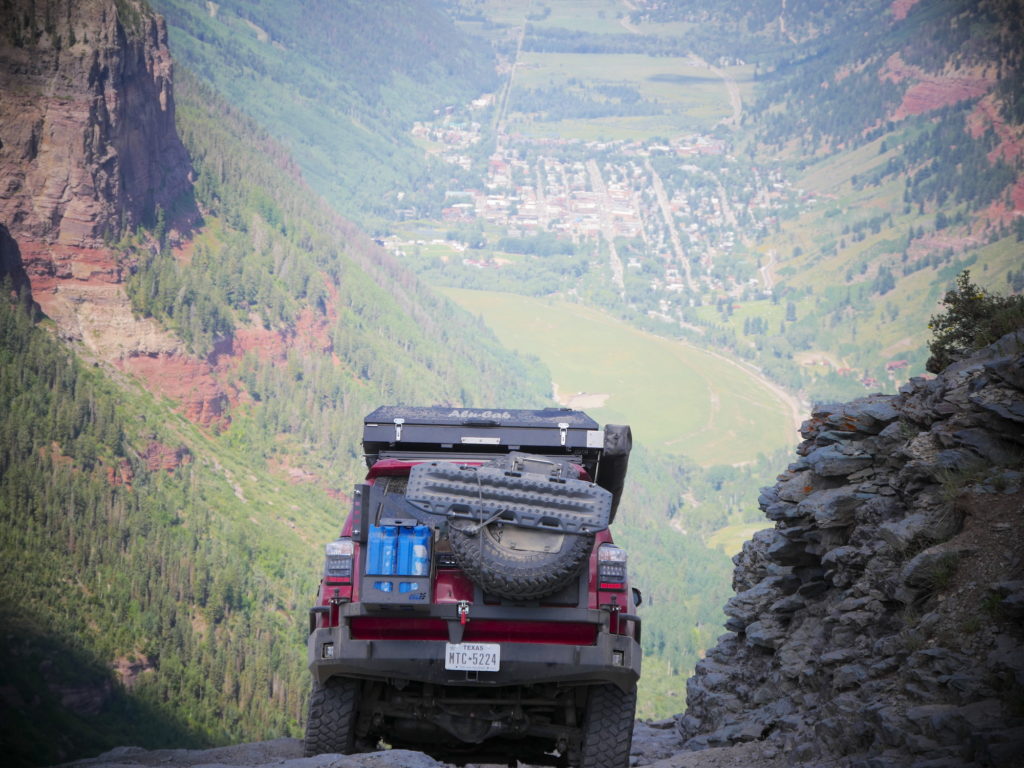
pixel 287 753
pixel 735 101
pixel 798 409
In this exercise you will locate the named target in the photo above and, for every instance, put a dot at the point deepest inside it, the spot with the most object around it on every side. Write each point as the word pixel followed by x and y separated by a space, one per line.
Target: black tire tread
pixel 608 727
pixel 331 725
pixel 517 575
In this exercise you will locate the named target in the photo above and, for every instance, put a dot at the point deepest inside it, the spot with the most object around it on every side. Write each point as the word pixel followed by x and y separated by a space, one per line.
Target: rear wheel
pixel 518 563
pixel 331 727
pixel 608 727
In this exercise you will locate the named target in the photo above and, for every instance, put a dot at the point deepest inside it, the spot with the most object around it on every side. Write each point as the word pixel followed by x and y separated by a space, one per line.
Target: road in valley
pixel 607 227
pixel 767 278
pixel 666 212
pixel 499 117
pixel 730 85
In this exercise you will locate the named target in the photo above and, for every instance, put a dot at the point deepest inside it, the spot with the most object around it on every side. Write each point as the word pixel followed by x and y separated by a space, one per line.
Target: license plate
pixel 472 657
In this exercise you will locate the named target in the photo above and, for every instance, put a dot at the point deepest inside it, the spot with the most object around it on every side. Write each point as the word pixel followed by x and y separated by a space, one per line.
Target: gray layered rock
pixel 879 622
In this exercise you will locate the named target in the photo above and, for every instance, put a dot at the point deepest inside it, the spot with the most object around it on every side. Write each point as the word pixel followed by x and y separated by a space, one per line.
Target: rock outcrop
pixel 879 622
pixel 89 145
pixel 88 149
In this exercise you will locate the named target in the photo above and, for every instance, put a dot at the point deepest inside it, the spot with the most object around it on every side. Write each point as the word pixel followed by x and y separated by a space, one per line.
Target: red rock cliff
pixel 89 144
pixel 89 148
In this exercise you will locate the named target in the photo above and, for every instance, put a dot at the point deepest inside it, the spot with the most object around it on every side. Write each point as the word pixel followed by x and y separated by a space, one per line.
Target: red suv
pixel 475 607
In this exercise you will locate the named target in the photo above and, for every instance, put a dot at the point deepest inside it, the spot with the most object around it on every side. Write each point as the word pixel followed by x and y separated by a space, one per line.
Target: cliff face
pixel 89 144
pixel 879 622
pixel 88 150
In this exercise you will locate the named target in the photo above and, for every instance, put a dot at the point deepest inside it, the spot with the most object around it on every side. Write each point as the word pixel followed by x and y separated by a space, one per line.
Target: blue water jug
pixel 376 539
pixel 388 549
pixel 420 550
pixel 404 551
pixel 383 550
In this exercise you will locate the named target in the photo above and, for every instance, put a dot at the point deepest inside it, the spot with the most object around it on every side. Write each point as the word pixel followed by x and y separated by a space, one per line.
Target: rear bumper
pixel 612 659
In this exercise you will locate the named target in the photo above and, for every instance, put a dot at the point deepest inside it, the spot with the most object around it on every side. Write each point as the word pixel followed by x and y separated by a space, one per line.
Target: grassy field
pixel 731 538
pixel 677 398
pixel 693 96
pixel 597 16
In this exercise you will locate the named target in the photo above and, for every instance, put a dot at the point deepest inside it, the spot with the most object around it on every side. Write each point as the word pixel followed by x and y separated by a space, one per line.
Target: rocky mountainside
pixel 879 622
pixel 90 146
pixel 88 150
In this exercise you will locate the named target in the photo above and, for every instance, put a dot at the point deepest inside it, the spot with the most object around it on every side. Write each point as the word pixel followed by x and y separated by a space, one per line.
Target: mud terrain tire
pixel 608 727
pixel 331 726
pixel 516 573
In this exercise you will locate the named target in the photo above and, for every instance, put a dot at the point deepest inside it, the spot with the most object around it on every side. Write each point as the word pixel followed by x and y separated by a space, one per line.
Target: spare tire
pixel 517 563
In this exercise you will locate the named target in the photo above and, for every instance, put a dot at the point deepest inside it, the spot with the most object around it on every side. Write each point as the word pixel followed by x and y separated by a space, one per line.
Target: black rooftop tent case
pixel 441 432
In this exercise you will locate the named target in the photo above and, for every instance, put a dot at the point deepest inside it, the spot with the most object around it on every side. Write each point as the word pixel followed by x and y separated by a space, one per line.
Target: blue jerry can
pixel 383 550
pixel 420 551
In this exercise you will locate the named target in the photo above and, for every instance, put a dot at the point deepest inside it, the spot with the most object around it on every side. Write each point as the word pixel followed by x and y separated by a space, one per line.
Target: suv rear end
pixel 475 606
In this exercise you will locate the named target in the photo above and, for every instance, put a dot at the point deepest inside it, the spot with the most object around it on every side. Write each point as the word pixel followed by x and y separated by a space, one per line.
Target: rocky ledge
pixel 879 622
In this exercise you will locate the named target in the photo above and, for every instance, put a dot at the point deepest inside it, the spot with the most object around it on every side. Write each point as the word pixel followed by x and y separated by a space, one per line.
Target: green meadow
pixel 692 96
pixel 677 398
pixel 731 538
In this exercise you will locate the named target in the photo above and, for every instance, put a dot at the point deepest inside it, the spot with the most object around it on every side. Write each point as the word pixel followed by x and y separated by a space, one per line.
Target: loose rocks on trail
pixel 654 744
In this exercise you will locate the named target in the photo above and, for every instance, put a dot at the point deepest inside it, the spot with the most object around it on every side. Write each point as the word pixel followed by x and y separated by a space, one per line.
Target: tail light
pixel 611 567
pixel 338 559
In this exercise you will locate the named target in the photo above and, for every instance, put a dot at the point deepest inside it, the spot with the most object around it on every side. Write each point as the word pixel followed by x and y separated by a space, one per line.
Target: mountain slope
pixel 123 624
pixel 899 126
pixel 174 458
pixel 338 84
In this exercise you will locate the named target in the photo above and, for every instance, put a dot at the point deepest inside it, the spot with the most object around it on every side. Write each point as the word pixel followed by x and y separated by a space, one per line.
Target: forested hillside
pixel 315 324
pixel 905 140
pixel 339 85
pixel 151 589
pixel 157 568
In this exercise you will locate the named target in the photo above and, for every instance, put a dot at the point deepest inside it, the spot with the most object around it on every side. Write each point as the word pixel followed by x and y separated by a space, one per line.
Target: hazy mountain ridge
pixel 907 134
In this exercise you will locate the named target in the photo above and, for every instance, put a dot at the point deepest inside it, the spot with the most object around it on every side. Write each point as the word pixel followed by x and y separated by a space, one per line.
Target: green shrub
pixel 973 318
